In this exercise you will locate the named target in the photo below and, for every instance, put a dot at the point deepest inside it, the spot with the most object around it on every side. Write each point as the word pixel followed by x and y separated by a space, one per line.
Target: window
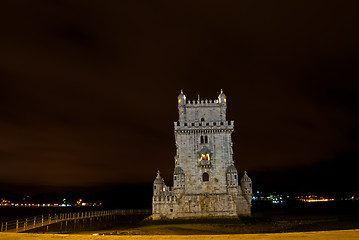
pixel 202 119
pixel 205 177
pixel 204 139
pixel 175 178
pixel 205 156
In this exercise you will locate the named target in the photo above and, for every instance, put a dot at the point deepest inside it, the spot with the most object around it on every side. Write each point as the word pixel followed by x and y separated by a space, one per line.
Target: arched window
pixel 205 177
pixel 205 139
pixel 202 139
pixel 202 119
pixel 205 156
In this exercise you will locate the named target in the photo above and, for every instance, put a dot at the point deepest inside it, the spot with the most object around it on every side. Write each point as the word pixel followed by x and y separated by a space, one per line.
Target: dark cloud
pixel 88 90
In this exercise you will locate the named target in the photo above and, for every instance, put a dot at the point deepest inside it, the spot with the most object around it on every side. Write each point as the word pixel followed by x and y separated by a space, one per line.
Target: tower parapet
pixel 225 125
pixel 202 110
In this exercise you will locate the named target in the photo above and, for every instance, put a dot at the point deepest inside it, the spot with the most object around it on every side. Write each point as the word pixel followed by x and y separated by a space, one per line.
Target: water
pixel 295 216
pixel 14 213
pixel 307 210
pixel 280 211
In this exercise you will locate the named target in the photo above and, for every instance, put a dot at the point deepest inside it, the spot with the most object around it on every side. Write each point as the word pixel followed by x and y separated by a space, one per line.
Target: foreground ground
pixel 247 226
pixel 325 235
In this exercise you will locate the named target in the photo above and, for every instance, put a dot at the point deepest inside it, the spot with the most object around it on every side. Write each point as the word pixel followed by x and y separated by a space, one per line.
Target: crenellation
pixel 218 125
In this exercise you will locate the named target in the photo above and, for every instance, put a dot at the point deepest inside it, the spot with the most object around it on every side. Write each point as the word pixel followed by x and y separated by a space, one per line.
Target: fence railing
pixel 25 224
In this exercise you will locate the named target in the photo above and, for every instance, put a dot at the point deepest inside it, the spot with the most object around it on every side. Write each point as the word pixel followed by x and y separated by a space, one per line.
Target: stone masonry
pixel 205 180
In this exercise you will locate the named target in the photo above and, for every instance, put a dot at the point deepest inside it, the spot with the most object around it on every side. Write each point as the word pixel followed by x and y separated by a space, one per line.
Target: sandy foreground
pixel 324 235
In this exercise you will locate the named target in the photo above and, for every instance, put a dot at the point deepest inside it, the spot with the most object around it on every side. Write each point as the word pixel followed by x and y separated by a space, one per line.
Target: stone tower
pixel 205 180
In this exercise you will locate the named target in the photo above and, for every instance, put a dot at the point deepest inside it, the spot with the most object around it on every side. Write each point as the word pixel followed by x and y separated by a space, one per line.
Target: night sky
pixel 88 90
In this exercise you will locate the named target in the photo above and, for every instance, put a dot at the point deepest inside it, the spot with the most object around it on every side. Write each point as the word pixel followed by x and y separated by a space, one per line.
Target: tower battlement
pixel 206 182
pixel 203 125
pixel 202 110
pixel 202 103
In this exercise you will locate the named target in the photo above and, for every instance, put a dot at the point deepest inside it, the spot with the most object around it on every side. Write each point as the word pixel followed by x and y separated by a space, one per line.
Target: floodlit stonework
pixel 205 180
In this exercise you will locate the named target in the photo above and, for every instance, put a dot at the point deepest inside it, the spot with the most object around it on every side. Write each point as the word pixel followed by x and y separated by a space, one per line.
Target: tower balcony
pixel 205 164
pixel 220 125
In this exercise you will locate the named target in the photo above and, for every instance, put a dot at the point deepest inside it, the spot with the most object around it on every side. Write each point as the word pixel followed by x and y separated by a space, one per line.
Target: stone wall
pixel 201 206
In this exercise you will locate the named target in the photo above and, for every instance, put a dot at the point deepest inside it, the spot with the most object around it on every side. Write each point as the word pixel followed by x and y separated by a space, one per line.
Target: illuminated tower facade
pixel 205 180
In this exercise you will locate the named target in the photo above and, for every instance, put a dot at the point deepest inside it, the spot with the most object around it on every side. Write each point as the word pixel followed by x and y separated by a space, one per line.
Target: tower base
pixel 197 206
